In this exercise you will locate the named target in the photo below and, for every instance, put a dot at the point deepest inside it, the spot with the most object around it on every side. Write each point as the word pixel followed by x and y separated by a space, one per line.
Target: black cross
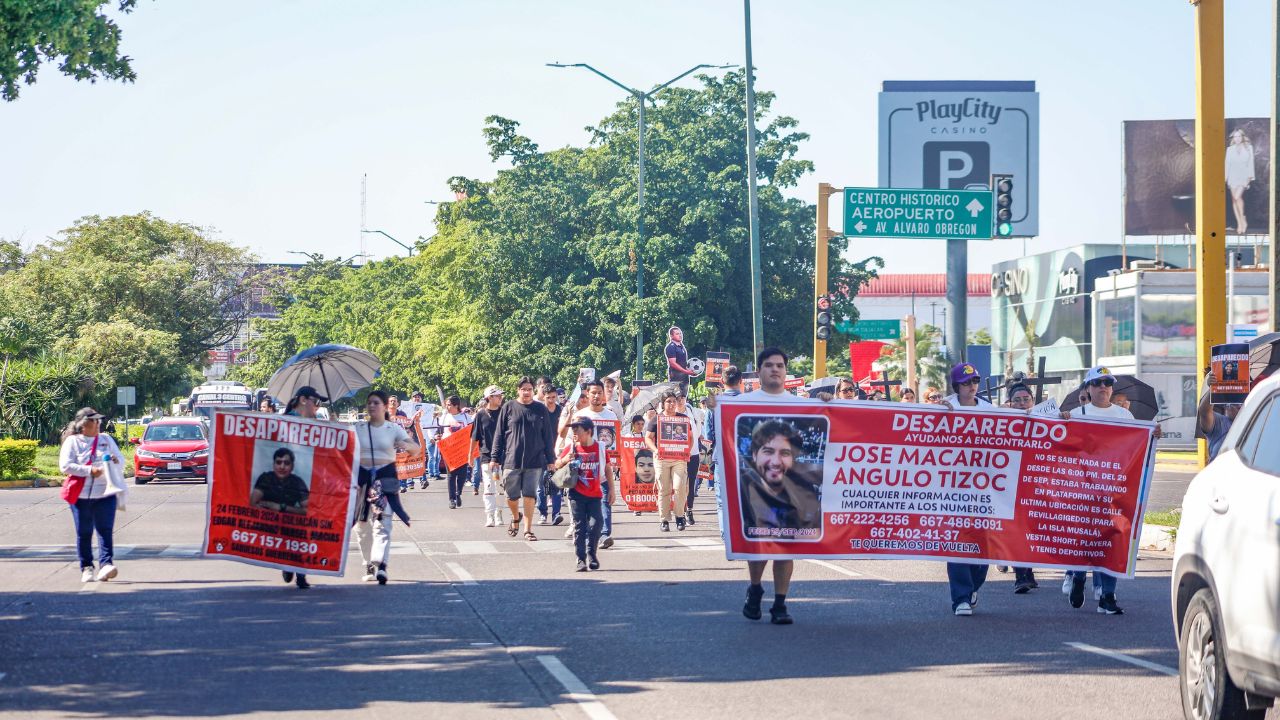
pixel 1040 381
pixel 884 385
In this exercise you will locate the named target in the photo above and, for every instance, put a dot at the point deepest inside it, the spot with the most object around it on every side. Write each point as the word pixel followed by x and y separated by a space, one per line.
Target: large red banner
pixel 862 479
pixel 459 449
pixel 637 475
pixel 281 491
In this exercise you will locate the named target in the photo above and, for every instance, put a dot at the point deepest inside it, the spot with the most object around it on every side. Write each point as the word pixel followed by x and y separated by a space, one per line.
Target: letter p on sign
pixel 957 165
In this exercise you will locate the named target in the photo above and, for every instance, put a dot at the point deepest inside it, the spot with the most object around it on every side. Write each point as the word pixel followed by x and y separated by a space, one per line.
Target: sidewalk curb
pixel 1157 537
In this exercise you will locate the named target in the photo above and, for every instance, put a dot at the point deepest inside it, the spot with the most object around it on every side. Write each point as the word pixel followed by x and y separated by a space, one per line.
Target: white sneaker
pixel 973 599
pixel 86 575
pixel 1066 584
pixel 106 572
pixel 368 573
pixel 489 521
pixel 1097 592
pixel 542 520
pixel 569 533
pixel 497 519
pixel 964 609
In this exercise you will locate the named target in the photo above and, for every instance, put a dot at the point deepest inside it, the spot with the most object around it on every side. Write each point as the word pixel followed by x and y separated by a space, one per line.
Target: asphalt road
pixel 475 624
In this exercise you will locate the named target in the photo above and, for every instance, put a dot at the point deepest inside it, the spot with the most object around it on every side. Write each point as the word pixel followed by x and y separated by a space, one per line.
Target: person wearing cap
pixel 1099 385
pixel 305 403
pixel 965 579
pixel 482 433
pixel 678 359
pixel 586 498
pixel 93 455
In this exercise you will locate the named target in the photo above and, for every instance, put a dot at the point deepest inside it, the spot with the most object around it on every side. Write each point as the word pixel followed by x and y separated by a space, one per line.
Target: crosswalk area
pixel 434 548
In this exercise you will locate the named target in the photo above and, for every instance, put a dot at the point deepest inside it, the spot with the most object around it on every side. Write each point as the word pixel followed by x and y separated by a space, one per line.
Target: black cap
pixel 584 423
pixel 308 391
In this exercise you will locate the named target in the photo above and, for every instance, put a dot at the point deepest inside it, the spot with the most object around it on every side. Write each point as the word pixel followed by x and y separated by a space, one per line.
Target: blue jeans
pixel 547 490
pixel 90 515
pixel 433 460
pixel 1100 580
pixel 477 472
pixel 587 522
pixel 965 580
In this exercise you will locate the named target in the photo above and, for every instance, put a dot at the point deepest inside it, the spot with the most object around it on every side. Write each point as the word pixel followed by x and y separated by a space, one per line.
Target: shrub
pixel 17 458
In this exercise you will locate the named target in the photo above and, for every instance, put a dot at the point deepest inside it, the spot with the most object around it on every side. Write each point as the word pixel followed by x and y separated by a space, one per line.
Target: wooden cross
pixel 1040 381
pixel 885 385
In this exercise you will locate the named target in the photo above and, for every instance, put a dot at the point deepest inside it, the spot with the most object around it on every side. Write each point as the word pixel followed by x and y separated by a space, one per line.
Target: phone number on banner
pixel 274 542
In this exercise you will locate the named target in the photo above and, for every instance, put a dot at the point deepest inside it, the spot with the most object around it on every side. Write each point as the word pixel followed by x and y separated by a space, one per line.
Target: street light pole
pixel 641 97
pixel 406 247
pixel 753 203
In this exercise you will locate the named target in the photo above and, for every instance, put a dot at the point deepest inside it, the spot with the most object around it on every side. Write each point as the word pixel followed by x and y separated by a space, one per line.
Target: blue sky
pixel 259 118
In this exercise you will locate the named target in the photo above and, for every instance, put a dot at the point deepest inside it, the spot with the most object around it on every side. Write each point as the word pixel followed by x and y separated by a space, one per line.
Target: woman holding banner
pixel 965 579
pixel 452 421
pixel 305 403
pixel 380 440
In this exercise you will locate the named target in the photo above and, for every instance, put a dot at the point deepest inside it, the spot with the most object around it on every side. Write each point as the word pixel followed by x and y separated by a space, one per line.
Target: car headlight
pixel 142 453
pixel 202 455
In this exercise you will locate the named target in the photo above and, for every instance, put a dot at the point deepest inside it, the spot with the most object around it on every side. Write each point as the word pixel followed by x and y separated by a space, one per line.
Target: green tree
pixel 165 276
pixel 931 363
pixel 126 354
pixel 84 41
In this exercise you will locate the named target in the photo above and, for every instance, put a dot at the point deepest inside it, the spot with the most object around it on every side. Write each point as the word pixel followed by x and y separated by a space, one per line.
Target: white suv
pixel 1226 570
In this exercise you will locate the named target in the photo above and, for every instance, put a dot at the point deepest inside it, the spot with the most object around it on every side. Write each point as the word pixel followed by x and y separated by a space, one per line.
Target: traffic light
pixel 1002 186
pixel 824 324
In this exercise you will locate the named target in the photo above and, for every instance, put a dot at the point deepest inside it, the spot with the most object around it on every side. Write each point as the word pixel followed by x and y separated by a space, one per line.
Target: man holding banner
pixel 670 437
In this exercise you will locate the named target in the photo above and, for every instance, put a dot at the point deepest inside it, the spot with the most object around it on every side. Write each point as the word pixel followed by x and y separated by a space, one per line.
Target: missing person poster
pixel 717 363
pixel 674 438
pixel 637 475
pixel 845 480
pixel 281 491
pixel 459 449
pixel 1230 364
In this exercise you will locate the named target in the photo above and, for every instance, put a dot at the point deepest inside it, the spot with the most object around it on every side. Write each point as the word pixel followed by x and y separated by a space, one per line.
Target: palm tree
pixel 931 364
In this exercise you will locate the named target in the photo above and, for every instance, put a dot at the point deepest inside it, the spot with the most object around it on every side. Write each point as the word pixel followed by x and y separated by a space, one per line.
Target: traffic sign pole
pixel 957 298
pixel 825 191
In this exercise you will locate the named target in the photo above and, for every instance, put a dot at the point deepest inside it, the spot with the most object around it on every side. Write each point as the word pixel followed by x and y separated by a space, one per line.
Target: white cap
pixel 491 391
pixel 1098 371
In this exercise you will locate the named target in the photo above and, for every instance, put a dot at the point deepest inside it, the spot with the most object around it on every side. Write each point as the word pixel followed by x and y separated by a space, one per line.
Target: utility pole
pixel 825 191
pixel 957 298
pixel 364 205
pixel 1210 199
pixel 912 381
pixel 757 294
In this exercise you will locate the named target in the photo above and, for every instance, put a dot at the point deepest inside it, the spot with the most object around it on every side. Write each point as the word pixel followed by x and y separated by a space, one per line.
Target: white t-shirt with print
pixel 1110 411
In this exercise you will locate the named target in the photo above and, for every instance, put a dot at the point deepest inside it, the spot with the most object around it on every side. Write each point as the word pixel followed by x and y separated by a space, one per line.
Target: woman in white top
pixel 965 579
pixel 454 420
pixel 380 440
pixel 93 455
pixel 1239 175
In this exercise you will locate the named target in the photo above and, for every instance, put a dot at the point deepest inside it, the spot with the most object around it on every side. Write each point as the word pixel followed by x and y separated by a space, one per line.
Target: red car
pixel 172 448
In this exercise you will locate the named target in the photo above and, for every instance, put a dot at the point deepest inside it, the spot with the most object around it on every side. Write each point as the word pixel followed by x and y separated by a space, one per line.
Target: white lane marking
pixel 699 542
pixel 461 573
pixel 89 586
pixel 474 547
pixel 578 691
pixel 181 551
pixel 835 568
pixel 1154 667
pixel 2 675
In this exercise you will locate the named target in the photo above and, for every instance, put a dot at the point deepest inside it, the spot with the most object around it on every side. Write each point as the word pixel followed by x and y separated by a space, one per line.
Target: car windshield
pixel 160 433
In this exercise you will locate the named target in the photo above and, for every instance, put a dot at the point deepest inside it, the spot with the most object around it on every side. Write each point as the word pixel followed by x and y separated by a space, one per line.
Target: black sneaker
pixel 594 564
pixel 1107 605
pixel 582 566
pixel 301 582
pixel 752 609
pixel 1021 587
pixel 381 575
pixel 778 615
pixel 680 523
pixel 666 526
pixel 688 517
pixel 557 519
pixel 288 576
pixel 1077 590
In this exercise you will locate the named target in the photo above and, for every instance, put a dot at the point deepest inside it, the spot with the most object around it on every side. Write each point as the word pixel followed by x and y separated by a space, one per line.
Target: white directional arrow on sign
pixel 974 207
pixel 860 226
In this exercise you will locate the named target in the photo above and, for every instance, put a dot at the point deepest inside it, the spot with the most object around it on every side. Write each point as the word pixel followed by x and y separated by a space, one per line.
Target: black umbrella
pixel 649 398
pixel 1264 356
pixel 1142 397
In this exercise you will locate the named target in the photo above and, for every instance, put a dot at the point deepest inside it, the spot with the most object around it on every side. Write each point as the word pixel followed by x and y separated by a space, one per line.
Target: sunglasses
pixel 1102 382
pixel 845 390
pixel 972 381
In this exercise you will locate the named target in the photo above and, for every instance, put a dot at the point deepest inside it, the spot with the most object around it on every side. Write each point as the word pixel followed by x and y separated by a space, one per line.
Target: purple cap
pixel 962 373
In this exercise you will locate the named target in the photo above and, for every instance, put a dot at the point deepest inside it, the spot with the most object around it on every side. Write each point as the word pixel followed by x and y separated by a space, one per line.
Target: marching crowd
pixel 535 452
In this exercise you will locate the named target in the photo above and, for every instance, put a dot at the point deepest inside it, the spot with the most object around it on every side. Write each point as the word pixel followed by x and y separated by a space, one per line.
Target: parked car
pixel 1226 570
pixel 172 448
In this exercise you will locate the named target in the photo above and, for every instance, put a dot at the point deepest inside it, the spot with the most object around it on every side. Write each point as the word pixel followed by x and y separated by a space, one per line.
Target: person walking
pixel 1019 397
pixel 305 403
pixel 524 449
pixel 482 434
pixel 380 440
pixel 669 436
pixel 587 497
pixel 548 493
pixel 598 412
pixel 695 460
pixel 965 579
pixel 772 364
pixel 454 420
pixel 92 457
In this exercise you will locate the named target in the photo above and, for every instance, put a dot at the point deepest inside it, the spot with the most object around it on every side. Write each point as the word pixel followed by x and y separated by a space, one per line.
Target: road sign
pixel 955 134
pixel 906 213
pixel 873 329
pixel 126 395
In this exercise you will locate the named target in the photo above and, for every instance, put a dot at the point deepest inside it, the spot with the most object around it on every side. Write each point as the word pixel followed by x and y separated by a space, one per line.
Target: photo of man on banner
pixel 781 477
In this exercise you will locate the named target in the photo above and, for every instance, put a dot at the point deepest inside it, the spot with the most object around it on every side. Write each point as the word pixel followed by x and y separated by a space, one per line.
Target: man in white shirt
pixel 772 367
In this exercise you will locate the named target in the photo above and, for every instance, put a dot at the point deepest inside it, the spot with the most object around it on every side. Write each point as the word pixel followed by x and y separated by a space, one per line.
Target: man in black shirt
pixel 280 489
pixel 547 394
pixel 678 360
pixel 524 449
pixel 482 432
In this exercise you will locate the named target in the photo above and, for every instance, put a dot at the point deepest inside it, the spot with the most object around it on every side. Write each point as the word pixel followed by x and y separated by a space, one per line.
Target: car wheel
pixel 1207 690
pixel 140 480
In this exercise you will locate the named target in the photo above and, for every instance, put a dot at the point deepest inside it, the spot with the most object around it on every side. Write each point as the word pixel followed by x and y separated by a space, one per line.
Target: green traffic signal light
pixel 1004 229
